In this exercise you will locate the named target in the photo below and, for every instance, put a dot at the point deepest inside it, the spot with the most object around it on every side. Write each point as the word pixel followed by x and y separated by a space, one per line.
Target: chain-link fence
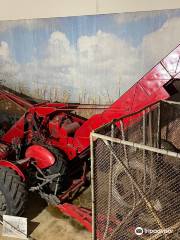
pixel 136 175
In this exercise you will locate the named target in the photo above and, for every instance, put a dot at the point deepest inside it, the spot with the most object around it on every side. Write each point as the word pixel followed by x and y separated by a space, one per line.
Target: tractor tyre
pixel 60 166
pixel 122 185
pixel 13 194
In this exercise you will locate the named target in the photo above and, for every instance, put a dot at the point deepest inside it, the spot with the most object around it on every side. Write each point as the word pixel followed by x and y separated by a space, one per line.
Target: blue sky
pixel 27 43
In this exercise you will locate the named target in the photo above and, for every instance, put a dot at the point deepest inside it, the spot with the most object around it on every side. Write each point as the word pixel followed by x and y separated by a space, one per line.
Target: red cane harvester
pixel 47 149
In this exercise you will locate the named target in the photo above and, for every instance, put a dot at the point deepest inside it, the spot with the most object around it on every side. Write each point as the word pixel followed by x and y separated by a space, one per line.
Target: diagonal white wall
pixel 25 9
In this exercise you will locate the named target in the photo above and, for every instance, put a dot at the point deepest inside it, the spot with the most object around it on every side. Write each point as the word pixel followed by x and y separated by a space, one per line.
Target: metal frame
pixel 109 140
pixel 82 215
pixel 92 184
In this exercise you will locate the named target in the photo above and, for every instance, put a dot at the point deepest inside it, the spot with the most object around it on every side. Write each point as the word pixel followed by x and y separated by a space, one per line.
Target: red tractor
pixel 47 149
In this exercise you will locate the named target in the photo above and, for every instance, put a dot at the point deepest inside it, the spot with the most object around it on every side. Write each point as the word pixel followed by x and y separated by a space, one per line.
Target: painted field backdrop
pixel 87 59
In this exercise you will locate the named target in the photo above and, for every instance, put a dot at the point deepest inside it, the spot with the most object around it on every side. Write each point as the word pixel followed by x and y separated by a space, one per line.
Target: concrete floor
pixel 47 223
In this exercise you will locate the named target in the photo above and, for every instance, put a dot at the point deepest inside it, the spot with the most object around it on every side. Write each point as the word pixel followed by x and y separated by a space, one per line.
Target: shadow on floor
pixel 35 206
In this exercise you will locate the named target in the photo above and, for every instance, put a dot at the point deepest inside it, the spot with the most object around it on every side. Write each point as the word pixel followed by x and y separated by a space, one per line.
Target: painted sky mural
pixel 86 58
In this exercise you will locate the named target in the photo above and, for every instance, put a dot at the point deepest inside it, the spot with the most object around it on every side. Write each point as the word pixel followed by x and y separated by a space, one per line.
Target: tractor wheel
pixel 122 185
pixel 60 166
pixel 12 193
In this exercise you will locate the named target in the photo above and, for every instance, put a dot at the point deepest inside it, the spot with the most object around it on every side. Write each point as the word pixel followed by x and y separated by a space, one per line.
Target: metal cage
pixel 136 175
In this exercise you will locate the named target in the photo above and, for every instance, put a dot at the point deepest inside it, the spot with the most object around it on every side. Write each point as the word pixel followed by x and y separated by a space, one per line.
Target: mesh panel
pixel 137 186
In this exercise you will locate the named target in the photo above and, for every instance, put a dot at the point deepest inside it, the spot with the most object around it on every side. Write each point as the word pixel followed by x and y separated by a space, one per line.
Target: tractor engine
pixel 46 164
pixel 62 125
pixel 37 145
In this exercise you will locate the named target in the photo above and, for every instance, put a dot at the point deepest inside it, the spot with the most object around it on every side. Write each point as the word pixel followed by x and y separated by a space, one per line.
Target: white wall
pixel 25 9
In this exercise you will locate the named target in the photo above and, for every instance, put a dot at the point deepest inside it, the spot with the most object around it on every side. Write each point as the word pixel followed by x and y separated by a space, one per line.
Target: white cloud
pixel 158 44
pixel 103 62
pixel 4 51
pixel 59 51
pixel 95 68
pixel 8 67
